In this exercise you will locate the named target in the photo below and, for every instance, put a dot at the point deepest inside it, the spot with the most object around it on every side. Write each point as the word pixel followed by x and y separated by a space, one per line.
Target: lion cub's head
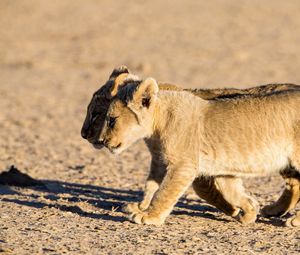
pixel 99 104
pixel 130 115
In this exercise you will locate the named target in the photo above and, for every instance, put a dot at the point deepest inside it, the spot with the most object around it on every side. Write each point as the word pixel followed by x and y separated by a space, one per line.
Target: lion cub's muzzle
pixel 84 133
pixel 92 138
pixel 110 145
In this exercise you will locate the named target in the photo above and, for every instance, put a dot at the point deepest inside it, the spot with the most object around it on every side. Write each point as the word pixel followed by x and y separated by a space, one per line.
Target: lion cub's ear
pixel 145 93
pixel 119 70
pixel 116 84
pixel 117 77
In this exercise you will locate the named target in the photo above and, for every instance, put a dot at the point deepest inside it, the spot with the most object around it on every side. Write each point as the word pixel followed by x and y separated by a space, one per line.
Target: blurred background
pixel 55 54
pixel 195 43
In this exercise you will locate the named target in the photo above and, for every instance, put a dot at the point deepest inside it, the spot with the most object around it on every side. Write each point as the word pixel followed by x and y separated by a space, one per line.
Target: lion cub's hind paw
pixel 293 221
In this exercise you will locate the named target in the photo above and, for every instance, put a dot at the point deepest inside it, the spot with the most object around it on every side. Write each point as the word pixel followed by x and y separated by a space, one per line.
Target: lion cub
pixel 247 136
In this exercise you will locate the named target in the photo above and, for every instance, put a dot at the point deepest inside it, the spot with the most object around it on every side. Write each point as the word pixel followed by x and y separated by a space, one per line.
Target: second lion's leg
pixel 289 197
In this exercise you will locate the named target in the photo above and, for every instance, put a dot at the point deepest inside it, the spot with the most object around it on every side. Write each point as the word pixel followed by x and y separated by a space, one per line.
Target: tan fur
pixel 210 138
pixel 207 188
pixel 93 125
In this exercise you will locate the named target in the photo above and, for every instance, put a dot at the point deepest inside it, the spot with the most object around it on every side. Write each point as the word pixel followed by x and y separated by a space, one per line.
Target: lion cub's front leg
pixel 156 175
pixel 175 183
pixel 150 188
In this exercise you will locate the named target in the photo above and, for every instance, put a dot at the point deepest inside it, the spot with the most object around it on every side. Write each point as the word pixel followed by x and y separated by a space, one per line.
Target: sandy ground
pixel 55 54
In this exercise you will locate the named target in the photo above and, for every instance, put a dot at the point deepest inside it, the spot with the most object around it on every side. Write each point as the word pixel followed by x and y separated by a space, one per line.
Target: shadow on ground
pixel 64 196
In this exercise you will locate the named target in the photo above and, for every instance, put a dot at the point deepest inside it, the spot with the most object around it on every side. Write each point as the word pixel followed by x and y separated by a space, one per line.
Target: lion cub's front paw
pixel 249 213
pixel 131 208
pixel 247 218
pixel 146 218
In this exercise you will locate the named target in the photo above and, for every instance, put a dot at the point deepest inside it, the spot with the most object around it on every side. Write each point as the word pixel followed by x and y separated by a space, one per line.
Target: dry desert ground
pixel 55 54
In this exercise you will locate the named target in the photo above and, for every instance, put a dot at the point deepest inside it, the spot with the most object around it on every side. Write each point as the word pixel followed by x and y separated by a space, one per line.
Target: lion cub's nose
pixel 84 134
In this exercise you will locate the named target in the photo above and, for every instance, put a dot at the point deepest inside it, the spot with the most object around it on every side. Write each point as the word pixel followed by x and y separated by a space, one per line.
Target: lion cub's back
pixel 252 134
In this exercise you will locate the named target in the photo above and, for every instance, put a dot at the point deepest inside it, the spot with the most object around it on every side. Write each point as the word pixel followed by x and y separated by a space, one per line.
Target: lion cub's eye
pixel 95 118
pixel 111 121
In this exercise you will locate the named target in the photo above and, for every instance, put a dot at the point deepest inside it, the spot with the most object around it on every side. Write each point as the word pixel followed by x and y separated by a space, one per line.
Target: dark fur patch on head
pixel 105 90
pixel 131 82
pixel 126 93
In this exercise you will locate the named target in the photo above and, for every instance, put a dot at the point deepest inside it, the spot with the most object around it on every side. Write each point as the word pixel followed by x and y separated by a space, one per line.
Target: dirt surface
pixel 55 54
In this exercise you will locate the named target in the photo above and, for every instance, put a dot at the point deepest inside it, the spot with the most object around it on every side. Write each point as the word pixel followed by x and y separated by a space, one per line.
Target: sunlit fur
pixel 219 191
pixel 248 136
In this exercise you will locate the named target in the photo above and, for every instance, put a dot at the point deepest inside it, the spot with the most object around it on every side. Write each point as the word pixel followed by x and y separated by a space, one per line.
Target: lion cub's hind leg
pixel 289 198
pixel 234 193
pixel 295 162
pixel 206 188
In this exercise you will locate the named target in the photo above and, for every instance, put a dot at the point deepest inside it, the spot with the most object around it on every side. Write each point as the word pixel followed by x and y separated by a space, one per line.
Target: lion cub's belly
pixel 262 161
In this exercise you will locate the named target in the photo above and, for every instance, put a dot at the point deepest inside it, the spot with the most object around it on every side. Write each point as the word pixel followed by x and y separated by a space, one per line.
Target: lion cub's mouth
pixel 97 144
pixel 115 149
